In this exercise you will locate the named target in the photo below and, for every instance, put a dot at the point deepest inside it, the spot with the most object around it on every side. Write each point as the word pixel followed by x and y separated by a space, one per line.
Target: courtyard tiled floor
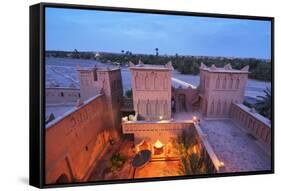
pixel 159 169
pixel 235 147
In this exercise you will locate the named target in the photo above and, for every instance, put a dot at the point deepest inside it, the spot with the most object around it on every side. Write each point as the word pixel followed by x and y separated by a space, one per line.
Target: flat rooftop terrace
pixel 59 109
pixel 238 150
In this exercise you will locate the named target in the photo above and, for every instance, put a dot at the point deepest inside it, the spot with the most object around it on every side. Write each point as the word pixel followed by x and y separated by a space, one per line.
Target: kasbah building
pixel 232 137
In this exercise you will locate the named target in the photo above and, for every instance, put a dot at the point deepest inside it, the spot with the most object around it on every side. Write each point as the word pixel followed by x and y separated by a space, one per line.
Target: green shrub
pixel 129 93
pixel 116 161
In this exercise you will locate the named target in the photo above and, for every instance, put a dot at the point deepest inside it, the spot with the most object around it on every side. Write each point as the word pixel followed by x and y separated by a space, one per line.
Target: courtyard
pixel 154 168
pixel 235 147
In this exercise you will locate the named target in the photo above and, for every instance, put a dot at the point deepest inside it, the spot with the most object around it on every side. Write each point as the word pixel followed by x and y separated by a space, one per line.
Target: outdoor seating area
pixel 141 158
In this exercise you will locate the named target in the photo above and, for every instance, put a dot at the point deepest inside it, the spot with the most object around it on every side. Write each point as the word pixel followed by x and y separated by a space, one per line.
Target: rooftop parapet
pixel 141 65
pixel 226 69
pixel 95 67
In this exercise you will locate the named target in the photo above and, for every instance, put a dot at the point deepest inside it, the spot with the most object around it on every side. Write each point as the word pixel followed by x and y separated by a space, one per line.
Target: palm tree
pixel 264 104
pixel 75 54
pixel 157 53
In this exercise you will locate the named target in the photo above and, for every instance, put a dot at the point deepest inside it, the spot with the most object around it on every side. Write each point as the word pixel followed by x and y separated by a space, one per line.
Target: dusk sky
pixel 88 30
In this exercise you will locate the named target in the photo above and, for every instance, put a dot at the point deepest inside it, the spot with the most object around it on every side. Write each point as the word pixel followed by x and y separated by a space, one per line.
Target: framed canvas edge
pixel 40 92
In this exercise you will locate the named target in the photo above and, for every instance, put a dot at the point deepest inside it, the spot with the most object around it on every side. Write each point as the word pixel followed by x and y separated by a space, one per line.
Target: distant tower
pixel 151 85
pixel 219 87
pixel 105 81
pixel 89 84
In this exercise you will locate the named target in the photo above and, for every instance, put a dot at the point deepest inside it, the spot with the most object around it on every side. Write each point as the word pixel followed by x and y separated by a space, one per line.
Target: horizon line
pixel 196 55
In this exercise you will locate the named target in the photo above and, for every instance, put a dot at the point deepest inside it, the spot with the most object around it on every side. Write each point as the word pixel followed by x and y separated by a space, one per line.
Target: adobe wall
pixel 184 99
pixel 55 95
pixel 219 88
pixel 89 82
pixel 111 83
pixel 257 125
pixel 208 153
pixel 107 81
pixel 76 140
pixel 164 131
pixel 152 92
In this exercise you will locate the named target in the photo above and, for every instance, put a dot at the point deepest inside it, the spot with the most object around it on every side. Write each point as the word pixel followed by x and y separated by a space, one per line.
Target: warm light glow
pixel 195 149
pixel 221 164
pixel 125 118
pixel 163 121
pixel 158 144
pixel 161 117
pixel 194 118
pixel 132 118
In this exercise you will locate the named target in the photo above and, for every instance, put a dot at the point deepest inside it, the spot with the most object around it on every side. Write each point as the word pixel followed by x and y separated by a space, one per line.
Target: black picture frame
pixel 37 92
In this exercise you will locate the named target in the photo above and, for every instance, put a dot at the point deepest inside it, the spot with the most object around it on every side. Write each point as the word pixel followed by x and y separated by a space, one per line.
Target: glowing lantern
pixel 195 149
pixel 158 148
pixel 194 118
pixel 124 119
pixel 158 144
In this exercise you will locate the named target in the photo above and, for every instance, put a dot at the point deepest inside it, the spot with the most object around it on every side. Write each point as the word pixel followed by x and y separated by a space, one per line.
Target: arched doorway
pixel 205 107
pixel 62 179
pixel 173 105
pixel 181 103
